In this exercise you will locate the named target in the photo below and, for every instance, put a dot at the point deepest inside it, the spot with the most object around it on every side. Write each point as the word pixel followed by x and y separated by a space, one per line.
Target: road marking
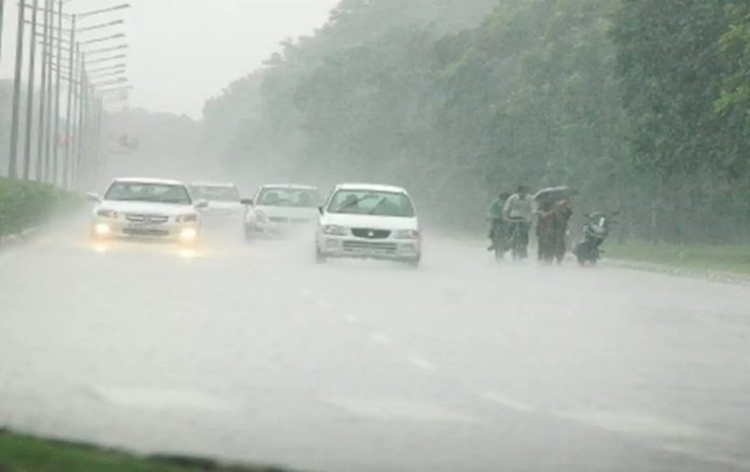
pixel 508 402
pixel 634 424
pixel 422 363
pixel 400 410
pixel 382 339
pixel 351 319
pixel 704 456
pixel 161 399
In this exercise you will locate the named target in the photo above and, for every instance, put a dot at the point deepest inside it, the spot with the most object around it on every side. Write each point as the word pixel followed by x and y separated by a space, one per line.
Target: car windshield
pixel 288 197
pixel 216 193
pixel 364 202
pixel 148 192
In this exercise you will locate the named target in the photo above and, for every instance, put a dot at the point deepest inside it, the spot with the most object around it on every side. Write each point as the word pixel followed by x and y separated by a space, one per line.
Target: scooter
pixel 595 231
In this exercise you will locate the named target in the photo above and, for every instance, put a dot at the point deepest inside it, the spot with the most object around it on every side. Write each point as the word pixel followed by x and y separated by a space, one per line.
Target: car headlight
pixel 189 218
pixel 188 235
pixel 104 213
pixel 334 230
pixel 406 234
pixel 257 215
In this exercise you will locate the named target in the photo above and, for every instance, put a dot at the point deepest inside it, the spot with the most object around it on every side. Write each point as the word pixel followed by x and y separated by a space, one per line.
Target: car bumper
pixel 352 247
pixel 175 232
pixel 274 229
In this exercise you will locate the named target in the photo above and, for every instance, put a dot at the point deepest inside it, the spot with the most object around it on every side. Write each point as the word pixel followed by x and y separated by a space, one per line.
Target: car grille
pixel 145 232
pixel 367 246
pixel 140 218
pixel 278 219
pixel 371 233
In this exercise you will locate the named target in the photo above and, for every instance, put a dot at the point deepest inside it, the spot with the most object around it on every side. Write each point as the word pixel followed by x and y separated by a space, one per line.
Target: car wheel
pixel 414 263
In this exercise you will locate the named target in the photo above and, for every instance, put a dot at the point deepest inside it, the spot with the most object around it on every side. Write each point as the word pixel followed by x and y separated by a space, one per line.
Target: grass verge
pixel 24 204
pixel 26 454
pixel 696 257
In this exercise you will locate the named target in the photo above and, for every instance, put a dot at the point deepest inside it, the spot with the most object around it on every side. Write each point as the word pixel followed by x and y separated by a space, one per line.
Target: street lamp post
pixel 30 94
pixel 39 167
pixel 56 133
pixel 16 113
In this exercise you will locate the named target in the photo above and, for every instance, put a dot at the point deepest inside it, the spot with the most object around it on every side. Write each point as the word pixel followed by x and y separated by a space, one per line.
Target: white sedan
pixel 225 206
pixel 143 208
pixel 279 209
pixel 369 221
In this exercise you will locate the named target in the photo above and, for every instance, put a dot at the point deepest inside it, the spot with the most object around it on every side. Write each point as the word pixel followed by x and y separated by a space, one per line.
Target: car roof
pixel 371 187
pixel 148 180
pixel 213 184
pixel 289 186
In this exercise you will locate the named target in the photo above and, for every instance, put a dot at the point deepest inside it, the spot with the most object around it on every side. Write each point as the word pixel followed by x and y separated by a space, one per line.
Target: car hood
pixel 146 207
pixel 224 206
pixel 369 221
pixel 288 212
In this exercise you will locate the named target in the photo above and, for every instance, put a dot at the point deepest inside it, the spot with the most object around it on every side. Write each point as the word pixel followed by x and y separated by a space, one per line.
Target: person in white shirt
pixel 519 210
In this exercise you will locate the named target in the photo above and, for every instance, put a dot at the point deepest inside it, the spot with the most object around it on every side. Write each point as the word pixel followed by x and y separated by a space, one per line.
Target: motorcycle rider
pixel 498 228
pixel 519 210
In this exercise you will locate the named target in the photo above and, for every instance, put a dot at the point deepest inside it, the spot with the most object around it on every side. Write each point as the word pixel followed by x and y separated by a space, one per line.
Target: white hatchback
pixel 369 221
pixel 142 208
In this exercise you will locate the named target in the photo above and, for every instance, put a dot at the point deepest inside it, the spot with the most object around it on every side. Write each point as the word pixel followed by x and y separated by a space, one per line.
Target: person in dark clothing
pixel 562 214
pixel 545 231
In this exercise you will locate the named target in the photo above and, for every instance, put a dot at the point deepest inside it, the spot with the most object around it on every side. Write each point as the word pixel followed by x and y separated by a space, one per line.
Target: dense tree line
pixel 640 104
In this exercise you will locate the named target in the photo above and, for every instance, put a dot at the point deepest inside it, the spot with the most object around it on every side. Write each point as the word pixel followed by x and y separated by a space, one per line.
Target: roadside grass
pixel 20 453
pixel 734 258
pixel 24 204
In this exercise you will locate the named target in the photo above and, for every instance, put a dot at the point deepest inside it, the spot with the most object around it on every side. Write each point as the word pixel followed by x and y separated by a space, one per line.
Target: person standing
pixel 562 214
pixel 519 213
pixel 498 231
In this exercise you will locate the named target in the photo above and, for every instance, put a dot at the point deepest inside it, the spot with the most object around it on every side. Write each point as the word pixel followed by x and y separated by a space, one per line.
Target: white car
pixel 278 209
pixel 225 206
pixel 369 221
pixel 146 209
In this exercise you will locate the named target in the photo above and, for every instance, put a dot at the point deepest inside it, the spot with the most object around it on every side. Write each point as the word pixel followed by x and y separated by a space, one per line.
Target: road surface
pixel 251 352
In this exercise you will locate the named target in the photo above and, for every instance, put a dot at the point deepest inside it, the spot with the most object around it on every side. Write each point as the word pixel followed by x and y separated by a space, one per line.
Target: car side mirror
pixel 93 197
pixel 201 204
pixel 321 210
pixel 247 201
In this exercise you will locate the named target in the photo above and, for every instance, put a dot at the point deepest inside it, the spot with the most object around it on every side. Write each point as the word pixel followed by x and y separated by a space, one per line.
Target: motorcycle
pixel 519 238
pixel 595 232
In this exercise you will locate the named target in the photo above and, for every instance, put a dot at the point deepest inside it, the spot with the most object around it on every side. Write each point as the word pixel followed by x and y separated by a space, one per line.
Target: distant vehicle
pixel 225 206
pixel 144 208
pixel 369 221
pixel 277 209
pixel 595 232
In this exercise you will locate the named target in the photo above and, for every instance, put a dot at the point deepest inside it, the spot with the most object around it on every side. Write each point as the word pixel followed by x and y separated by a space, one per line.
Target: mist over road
pixel 253 352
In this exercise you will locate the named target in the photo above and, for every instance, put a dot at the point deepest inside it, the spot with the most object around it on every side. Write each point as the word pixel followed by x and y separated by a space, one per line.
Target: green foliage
pixel 24 204
pixel 456 101
pixel 21 454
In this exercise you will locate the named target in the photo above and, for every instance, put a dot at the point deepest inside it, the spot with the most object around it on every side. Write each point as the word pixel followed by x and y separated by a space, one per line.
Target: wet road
pixel 252 352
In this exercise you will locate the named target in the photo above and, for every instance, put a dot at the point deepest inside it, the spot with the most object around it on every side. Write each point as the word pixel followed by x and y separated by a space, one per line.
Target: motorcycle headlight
pixel 189 218
pixel 107 213
pixel 334 230
pixel 406 234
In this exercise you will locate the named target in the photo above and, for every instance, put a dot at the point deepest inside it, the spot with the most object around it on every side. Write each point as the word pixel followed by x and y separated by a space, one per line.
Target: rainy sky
pixel 182 52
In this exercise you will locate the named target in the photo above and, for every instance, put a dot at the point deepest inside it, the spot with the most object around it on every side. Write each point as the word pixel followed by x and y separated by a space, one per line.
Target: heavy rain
pixel 375 235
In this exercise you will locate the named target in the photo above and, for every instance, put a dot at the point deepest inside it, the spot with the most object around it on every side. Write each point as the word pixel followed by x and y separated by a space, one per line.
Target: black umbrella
pixel 554 194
